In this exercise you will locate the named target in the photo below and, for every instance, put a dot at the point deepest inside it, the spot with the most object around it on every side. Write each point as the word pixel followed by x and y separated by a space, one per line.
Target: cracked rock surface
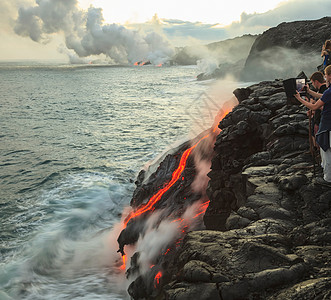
pixel 267 226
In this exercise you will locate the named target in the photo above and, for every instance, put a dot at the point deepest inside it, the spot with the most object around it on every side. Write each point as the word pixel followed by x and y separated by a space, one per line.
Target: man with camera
pixel 319 84
pixel 323 137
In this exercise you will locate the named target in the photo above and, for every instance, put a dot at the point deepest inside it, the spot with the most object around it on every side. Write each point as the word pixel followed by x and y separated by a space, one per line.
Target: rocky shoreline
pixel 267 225
pixel 275 223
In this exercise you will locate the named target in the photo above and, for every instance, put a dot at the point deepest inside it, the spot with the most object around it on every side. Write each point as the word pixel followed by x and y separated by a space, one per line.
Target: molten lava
pixel 149 206
pixel 176 175
pixel 123 266
pixel 203 208
pixel 157 279
pixel 183 225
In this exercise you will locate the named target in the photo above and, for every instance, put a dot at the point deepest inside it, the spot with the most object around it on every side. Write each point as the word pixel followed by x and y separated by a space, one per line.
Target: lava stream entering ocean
pixel 176 175
pixel 149 206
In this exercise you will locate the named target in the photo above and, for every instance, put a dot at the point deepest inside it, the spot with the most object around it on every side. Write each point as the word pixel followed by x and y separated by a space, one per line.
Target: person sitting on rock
pixel 318 82
pixel 323 137
pixel 326 51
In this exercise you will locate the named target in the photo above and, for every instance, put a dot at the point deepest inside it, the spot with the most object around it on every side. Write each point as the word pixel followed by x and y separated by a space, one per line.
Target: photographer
pixel 318 82
pixel 323 135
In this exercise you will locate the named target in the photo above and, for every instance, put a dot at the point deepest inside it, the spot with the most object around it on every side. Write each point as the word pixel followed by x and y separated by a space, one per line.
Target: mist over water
pixel 72 141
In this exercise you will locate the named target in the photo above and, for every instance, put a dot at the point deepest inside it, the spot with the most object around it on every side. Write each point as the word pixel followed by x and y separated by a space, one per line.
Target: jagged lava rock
pixel 273 225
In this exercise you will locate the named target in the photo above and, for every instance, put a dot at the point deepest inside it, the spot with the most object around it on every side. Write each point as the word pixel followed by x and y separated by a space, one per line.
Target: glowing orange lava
pixel 136 63
pixel 176 175
pixel 157 279
pixel 123 266
pixel 203 208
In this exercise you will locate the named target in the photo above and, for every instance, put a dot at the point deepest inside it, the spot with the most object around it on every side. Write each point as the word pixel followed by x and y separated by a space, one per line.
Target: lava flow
pixel 123 266
pixel 149 206
pixel 157 279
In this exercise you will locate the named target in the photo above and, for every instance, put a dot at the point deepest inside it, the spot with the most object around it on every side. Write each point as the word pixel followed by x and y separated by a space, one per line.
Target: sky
pixel 127 30
pixel 208 11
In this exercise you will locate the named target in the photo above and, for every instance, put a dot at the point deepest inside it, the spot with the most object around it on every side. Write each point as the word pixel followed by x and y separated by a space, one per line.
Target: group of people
pixel 321 105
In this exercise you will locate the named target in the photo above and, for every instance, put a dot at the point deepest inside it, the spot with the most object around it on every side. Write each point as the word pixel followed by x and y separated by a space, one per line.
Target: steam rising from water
pixel 86 34
pixel 159 235
pixel 280 62
pixel 207 65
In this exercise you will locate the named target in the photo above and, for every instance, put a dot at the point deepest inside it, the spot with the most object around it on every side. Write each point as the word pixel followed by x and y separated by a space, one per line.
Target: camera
pixel 291 86
pixel 301 87
pixel 303 91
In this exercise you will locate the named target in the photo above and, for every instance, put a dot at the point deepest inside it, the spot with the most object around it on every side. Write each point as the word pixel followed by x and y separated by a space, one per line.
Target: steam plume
pixel 86 34
pixel 159 235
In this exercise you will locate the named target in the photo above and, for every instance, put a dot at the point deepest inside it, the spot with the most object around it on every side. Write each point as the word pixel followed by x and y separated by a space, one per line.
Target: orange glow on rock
pixel 157 279
pixel 123 266
pixel 202 208
pixel 176 175
pixel 149 206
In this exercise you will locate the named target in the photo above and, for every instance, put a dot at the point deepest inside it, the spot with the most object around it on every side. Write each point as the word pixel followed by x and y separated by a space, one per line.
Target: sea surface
pixel 72 141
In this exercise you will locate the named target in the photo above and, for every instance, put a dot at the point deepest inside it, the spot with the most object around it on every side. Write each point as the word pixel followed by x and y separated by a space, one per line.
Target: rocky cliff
pixel 286 49
pixel 228 51
pixel 280 52
pixel 267 226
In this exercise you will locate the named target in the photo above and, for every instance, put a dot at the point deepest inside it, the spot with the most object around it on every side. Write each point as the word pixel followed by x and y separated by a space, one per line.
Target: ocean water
pixel 72 140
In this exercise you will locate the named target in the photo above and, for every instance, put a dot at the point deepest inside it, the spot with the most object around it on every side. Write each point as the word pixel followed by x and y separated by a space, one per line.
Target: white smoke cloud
pixel 290 62
pixel 44 20
pixel 86 34
pixel 160 235
pixel 207 65
pixel 156 239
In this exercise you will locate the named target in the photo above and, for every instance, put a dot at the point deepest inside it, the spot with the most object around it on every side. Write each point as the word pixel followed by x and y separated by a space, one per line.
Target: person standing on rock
pixel 318 82
pixel 326 52
pixel 323 137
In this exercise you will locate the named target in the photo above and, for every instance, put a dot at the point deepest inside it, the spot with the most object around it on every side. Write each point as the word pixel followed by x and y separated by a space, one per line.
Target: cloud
pixel 86 33
pixel 182 33
pixel 288 11
pixel 8 13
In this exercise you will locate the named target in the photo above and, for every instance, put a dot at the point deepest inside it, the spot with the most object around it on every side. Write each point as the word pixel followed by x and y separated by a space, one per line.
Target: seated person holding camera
pixel 323 137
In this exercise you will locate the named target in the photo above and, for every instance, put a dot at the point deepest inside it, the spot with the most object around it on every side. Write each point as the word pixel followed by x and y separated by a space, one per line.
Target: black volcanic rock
pixel 284 50
pixel 279 52
pixel 267 227
pixel 273 224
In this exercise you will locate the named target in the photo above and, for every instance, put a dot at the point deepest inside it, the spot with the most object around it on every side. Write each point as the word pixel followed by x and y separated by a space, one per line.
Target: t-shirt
pixel 317 113
pixel 322 88
pixel 325 123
